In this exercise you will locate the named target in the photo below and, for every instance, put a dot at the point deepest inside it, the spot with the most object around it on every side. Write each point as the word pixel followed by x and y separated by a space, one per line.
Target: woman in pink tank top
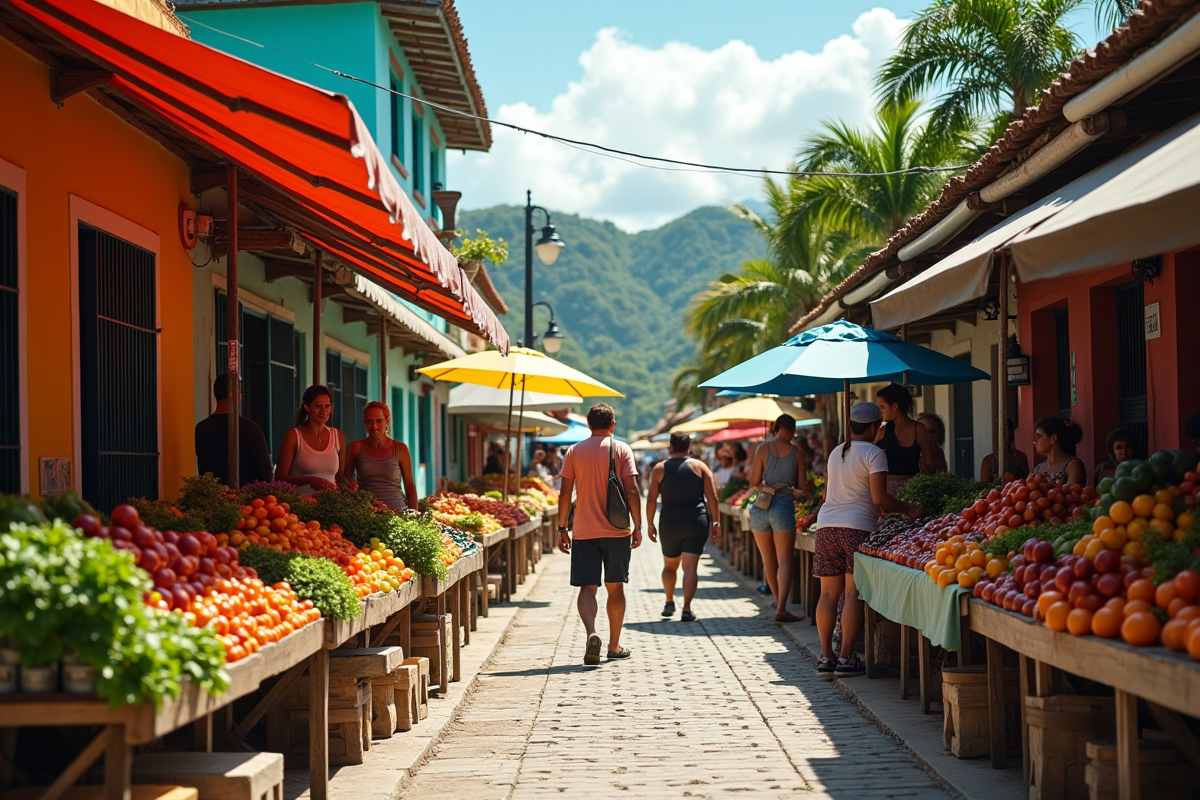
pixel 313 455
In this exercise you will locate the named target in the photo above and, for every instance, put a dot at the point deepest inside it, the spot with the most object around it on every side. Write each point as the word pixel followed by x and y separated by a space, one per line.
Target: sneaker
pixel 849 667
pixel 764 589
pixel 825 668
pixel 687 616
pixel 668 609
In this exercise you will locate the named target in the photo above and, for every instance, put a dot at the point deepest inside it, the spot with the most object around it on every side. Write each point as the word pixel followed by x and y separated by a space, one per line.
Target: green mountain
pixel 619 297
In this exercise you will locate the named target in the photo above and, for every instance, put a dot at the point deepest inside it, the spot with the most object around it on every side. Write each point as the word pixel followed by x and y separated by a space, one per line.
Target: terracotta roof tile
pixel 1145 25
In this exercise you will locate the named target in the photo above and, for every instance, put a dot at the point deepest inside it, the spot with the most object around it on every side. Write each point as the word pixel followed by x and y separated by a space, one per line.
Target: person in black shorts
pixel 685 524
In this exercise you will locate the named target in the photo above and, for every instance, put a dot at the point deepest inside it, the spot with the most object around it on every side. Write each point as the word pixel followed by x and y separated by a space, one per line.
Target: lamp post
pixel 552 339
pixel 548 248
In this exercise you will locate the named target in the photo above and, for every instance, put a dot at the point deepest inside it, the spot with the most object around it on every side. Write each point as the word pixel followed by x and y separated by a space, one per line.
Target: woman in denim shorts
pixel 779 466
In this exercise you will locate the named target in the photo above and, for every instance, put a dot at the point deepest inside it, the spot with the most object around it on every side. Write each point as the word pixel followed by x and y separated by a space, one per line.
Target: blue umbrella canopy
pixel 575 432
pixel 824 359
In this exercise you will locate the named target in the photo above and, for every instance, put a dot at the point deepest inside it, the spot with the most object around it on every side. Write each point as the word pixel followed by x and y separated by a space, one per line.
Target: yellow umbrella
pixel 748 409
pixel 522 368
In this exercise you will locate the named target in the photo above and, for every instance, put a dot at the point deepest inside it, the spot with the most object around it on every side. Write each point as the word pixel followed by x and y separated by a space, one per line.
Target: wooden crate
pixel 422 665
pixel 406 691
pixel 1164 770
pixel 431 638
pixel 1060 728
pixel 377 665
pixel 966 715
pixel 349 722
pixel 216 776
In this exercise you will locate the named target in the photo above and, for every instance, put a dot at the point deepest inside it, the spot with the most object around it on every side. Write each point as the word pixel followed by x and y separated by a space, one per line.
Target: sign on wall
pixel 1153 321
pixel 1018 370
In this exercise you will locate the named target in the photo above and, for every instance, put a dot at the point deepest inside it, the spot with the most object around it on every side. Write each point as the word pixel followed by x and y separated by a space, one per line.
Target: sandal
pixel 787 616
pixel 624 652
pixel 592 657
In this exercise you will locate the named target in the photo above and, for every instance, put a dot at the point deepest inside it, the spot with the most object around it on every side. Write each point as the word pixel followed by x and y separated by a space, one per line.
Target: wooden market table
pixel 489 545
pixel 377 609
pixel 806 587
pixel 519 549
pixel 457 586
pixel 1168 683
pixel 125 726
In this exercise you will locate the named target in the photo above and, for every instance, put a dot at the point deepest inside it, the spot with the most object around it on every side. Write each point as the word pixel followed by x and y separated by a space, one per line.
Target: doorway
pixel 963 409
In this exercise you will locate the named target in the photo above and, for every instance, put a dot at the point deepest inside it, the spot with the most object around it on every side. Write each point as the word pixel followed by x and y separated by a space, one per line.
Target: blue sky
pixel 725 82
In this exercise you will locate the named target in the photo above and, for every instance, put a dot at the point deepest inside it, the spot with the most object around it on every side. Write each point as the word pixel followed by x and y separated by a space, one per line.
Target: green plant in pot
pixel 471 252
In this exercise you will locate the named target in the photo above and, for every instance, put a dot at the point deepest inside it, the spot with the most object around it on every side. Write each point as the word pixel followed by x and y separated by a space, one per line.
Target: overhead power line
pixel 592 147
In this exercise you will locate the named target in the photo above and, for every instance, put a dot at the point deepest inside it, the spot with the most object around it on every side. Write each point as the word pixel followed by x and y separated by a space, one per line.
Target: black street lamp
pixel 548 248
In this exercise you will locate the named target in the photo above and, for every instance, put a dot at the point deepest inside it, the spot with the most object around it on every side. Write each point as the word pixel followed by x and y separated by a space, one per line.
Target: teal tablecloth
pixel 909 597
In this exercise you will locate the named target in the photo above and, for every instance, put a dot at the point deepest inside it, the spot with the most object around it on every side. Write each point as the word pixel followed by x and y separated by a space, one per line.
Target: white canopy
pixel 529 422
pixel 1140 204
pixel 469 398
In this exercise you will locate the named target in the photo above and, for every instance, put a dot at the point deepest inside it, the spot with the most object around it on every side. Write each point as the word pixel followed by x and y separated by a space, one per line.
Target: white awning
pixel 468 398
pixel 960 277
pixel 529 422
pixel 1142 203
pixel 402 315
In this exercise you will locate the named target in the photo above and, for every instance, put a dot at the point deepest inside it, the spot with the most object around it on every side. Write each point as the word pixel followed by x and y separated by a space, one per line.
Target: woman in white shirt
pixel 855 490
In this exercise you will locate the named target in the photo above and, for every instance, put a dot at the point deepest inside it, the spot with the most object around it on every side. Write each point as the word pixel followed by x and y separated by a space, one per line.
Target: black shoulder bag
pixel 617 502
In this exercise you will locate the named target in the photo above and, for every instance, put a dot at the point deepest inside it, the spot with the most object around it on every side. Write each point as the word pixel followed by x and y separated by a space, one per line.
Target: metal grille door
pixel 1062 351
pixel 118 344
pixel 1131 362
pixel 10 350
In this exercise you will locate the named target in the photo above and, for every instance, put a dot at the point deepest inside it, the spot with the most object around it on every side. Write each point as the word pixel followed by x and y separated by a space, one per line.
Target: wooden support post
pixel 999 740
pixel 484 600
pixel 405 631
pixel 101 744
pixel 118 765
pixel 869 623
pixel 232 332
pixel 383 358
pixel 1178 730
pixel 202 734
pixel 270 699
pixel 1043 679
pixel 1025 667
pixel 1000 449
pixel 925 671
pixel 318 343
pixel 456 611
pixel 964 636
pixel 1129 778
pixel 464 606
pixel 905 660
pixel 318 725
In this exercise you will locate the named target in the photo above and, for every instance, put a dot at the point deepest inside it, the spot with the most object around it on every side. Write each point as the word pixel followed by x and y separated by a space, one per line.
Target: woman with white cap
pixel 856 475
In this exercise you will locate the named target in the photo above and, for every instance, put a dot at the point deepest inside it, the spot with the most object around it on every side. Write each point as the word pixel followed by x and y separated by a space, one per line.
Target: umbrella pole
pixel 846 411
pixel 508 439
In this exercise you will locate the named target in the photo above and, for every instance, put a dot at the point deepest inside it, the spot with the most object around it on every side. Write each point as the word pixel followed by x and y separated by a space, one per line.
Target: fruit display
pixel 450 505
pixel 740 498
pixel 377 569
pixel 732 487
pixel 269 523
pixel 324 583
pixel 203 580
pixel 806 509
pixel 448 509
pixel 531 484
pixel 533 501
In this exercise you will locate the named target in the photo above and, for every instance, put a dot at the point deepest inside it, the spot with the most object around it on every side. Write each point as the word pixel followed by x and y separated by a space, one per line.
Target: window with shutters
pixel 10 348
pixel 347 384
pixel 397 109
pixel 268 350
pixel 418 153
pixel 118 364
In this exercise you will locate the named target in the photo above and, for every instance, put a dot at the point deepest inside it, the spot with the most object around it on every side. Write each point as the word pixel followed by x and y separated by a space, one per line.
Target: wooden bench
pixel 216 776
pixel 378 666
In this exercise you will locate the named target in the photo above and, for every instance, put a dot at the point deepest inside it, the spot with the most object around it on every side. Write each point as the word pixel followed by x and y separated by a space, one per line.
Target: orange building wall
pixel 85 150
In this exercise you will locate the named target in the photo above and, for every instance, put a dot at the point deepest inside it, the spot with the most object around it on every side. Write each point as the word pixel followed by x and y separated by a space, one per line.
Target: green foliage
pixel 66 506
pixel 64 592
pixel 160 514
pixel 472 522
pixel 943 493
pixel 417 540
pixel 207 499
pixel 493 495
pixel 351 511
pixel 14 509
pixel 619 297
pixel 731 488
pixel 1008 542
pixel 323 582
pixel 481 248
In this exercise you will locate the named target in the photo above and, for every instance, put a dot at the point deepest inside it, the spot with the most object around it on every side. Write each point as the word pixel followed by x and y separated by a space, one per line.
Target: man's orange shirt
pixel 587 464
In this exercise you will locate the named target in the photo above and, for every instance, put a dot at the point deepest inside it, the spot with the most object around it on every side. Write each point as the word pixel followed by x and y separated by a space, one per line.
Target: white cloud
pixel 725 106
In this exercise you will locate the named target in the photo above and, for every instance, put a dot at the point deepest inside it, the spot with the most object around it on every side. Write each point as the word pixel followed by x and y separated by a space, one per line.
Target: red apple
pixel 142 536
pixel 119 533
pixel 1107 561
pixel 188 545
pixel 164 577
pixel 1084 569
pixel 126 516
pixel 171 537
pixel 1110 585
pixel 88 524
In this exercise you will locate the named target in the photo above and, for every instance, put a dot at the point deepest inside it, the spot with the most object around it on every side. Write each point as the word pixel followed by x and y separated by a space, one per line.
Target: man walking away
pixel 685 485
pixel 596 543
pixel 212 443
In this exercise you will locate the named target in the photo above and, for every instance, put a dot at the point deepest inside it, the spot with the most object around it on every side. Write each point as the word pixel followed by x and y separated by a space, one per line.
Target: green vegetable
pixel 316 579
pixel 160 514
pixel 15 509
pixel 417 540
pixel 1008 542
pixel 63 591
pixel 731 488
pixel 493 495
pixel 66 506
pixel 469 522
pixel 207 499
pixel 352 511
pixel 940 494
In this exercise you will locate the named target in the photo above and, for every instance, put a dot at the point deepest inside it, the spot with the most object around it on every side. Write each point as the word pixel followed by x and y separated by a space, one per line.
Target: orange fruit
pixel 1121 512
pixel 1143 505
pixel 1140 629
pixel 1172 635
pixel 1079 621
pixel 1106 623
pixel 1047 599
pixel 1192 641
pixel 996 565
pixel 1186 521
pixel 1135 607
pixel 1164 496
pixel 1164 593
pixel 1136 529
pixel 1134 549
pixel 1115 538
pixel 978 558
pixel 1102 524
pixel 1186 613
pixel 947 577
pixel 1164 511
pixel 1118 603
pixel 1163 526
pixel 1056 616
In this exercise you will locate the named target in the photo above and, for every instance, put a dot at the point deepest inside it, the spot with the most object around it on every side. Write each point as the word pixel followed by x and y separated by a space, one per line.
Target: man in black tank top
pixel 685 524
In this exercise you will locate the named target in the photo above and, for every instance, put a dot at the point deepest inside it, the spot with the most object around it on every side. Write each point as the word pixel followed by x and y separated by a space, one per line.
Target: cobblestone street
pixel 722 705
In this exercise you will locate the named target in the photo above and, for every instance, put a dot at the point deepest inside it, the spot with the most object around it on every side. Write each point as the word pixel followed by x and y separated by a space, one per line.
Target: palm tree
pixel 990 59
pixel 1113 13
pixel 870 209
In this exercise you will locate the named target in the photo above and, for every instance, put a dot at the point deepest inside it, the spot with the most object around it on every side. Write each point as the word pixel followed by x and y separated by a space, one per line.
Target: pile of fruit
pixel 533 501
pixel 197 577
pixel 530 484
pixel 508 515
pixel 447 509
pixel 807 509
pixel 741 498
pixel 269 523
pixel 376 569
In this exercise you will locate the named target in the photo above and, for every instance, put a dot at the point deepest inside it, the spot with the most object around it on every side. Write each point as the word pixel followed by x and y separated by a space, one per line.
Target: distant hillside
pixel 619 297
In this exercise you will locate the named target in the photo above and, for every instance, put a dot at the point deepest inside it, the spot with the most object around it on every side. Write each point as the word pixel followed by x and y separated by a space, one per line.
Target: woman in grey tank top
pixel 380 463
pixel 779 466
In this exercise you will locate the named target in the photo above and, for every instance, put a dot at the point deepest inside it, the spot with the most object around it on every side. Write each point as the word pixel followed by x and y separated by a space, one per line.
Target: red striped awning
pixel 315 164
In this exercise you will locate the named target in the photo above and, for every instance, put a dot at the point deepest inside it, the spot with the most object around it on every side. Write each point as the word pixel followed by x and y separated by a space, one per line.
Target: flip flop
pixel 624 652
pixel 787 616
pixel 592 657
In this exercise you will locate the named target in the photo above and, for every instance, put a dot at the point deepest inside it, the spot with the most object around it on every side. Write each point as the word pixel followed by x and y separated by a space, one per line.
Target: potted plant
pixel 471 252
